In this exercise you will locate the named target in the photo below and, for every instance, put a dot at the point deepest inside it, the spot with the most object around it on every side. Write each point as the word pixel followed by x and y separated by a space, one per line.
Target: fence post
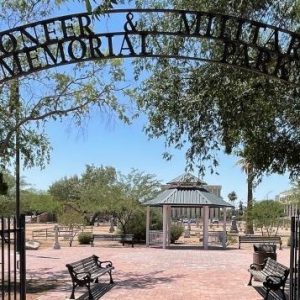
pixel 22 252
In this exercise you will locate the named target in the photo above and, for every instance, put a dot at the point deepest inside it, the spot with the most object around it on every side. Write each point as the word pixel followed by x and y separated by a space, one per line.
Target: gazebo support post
pixel 224 227
pixel 148 227
pixel 169 225
pixel 165 224
pixel 205 227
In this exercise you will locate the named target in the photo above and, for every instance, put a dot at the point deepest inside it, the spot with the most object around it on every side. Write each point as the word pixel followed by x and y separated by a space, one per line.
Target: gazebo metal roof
pixel 183 191
pixel 187 197
pixel 187 178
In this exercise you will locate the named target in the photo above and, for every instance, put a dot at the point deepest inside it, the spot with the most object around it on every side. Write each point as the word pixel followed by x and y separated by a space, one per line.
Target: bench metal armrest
pixel 254 266
pixel 269 279
pixel 108 262
pixel 87 276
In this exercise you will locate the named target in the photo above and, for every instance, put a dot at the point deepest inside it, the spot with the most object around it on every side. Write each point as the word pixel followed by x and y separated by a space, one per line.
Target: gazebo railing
pixel 155 237
pixel 217 238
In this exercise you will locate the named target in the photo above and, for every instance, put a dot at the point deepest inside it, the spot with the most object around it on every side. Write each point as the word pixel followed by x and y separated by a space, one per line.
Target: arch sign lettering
pixel 208 37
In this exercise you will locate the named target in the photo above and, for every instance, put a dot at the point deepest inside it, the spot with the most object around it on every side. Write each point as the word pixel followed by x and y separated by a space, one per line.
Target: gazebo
pixel 185 191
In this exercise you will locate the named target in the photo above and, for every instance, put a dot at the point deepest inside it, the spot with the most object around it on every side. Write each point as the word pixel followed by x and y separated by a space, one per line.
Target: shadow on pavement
pixel 144 281
pixel 272 295
pixel 98 290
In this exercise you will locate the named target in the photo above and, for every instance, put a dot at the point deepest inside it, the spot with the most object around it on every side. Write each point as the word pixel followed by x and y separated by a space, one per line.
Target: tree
pixel 247 167
pixel 266 215
pixel 241 209
pixel 140 185
pixel 36 202
pixel 132 189
pixel 65 189
pixel 103 191
pixel 205 108
pixel 232 196
pixel 52 95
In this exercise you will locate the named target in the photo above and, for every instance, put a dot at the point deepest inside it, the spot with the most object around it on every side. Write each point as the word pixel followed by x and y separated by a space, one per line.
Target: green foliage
pixel 103 191
pixel 176 232
pixel 266 215
pixel 231 239
pixel 38 202
pixel 65 189
pixel 3 186
pixel 28 104
pixel 71 218
pixel 137 224
pixel 84 238
pixel 139 185
pixel 7 206
pixel 232 196
pixel 240 211
pixel 205 108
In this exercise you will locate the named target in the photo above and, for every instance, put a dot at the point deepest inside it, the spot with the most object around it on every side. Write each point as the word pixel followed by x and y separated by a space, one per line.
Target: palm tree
pixel 248 168
pixel 232 197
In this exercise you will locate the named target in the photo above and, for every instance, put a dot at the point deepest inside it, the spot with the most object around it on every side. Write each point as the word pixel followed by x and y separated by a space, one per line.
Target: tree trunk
pixel 249 219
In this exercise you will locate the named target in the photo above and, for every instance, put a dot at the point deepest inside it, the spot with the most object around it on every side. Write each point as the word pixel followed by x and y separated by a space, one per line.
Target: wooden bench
pixel 260 239
pixel 123 238
pixel 273 275
pixel 88 270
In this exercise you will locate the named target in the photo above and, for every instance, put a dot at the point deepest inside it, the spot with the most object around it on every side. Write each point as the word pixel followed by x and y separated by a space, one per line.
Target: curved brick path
pixel 151 273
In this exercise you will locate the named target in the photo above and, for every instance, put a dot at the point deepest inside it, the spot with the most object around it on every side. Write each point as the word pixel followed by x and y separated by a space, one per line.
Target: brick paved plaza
pixel 151 273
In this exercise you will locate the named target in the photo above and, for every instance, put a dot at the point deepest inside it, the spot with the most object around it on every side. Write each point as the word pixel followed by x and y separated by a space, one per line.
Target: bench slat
pixel 259 239
pixel 113 237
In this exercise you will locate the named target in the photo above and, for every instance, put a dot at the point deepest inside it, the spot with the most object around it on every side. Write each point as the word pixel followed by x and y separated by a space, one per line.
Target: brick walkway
pixel 151 273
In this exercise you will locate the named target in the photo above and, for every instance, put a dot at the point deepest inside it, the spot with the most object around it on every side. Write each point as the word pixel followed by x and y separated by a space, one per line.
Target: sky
pixel 111 143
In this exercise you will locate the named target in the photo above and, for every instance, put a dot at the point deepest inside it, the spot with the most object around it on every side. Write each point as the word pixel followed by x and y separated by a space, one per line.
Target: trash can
pixel 263 251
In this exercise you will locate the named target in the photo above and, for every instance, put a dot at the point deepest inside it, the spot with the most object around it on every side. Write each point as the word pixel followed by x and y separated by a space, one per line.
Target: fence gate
pixel 12 260
pixel 295 258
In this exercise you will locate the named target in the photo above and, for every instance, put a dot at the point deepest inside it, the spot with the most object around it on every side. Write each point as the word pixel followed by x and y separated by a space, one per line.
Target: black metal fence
pixel 12 260
pixel 295 258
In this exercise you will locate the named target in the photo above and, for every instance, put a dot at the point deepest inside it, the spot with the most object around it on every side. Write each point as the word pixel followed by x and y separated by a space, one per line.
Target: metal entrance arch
pixel 203 36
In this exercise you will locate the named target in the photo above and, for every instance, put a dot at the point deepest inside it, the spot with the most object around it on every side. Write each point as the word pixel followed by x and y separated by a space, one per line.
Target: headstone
pixel 32 245
pixel 187 233
pixel 189 225
pixel 233 227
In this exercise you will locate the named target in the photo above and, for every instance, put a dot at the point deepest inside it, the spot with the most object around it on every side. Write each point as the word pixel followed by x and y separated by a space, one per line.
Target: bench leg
pixel 110 276
pixel 89 289
pixel 73 292
pixel 250 281
pixel 267 294
pixel 283 295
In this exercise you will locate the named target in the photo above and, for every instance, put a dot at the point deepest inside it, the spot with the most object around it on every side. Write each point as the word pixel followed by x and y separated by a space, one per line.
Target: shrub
pixel 176 232
pixel 84 238
pixel 231 239
pixel 137 224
